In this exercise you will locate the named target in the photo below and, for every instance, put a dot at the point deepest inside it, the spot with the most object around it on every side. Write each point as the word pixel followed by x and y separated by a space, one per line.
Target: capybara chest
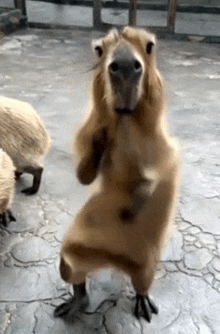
pixel 129 154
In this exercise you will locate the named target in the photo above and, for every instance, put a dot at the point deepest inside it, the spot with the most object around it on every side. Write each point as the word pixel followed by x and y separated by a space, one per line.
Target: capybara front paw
pixel 29 191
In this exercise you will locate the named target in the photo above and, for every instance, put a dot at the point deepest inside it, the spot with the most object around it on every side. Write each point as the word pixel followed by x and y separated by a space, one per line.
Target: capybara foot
pixel 144 307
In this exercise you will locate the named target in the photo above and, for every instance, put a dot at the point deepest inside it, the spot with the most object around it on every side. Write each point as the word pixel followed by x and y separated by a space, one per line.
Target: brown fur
pixel 139 163
pixel 7 181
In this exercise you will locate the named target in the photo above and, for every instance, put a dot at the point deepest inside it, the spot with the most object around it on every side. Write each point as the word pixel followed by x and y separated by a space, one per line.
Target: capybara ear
pixel 100 44
pixel 97 46
pixel 150 43
pixel 65 270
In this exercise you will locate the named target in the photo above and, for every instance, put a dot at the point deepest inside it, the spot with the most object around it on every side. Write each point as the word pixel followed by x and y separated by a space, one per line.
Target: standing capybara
pixel 24 138
pixel 125 144
pixel 7 181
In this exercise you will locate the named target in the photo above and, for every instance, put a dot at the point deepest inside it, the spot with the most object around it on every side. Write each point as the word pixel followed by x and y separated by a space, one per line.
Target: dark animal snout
pixel 125 65
pixel 125 68
pixel 125 71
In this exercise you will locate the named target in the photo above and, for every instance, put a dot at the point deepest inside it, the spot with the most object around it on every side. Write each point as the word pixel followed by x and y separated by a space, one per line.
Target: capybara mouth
pixel 124 111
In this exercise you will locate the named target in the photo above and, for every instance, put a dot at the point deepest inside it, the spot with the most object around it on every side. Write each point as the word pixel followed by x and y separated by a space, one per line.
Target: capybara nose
pixel 124 65
pixel 124 68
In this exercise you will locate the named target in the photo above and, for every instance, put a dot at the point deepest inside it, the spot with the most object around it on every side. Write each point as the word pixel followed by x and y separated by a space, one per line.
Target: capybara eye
pixel 149 47
pixel 99 50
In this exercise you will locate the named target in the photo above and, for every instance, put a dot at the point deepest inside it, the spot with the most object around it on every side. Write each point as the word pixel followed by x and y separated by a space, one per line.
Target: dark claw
pixel 62 310
pixel 144 307
pixel 11 217
pixel 75 304
pixel 136 309
pixel 29 191
pixel 153 307
pixel 6 218
pixel 69 309
pixel 3 220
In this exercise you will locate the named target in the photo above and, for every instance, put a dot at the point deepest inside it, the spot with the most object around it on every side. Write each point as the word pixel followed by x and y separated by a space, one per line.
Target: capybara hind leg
pixel 37 173
pixel 144 306
pixel 77 303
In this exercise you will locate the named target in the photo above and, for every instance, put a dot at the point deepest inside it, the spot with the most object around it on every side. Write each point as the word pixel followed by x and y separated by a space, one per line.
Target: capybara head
pixel 126 73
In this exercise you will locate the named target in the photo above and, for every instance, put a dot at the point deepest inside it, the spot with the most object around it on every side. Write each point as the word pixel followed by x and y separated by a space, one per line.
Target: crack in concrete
pixel 106 301
pixel 210 283
pixel 188 222
pixel 3 228
pixel 105 316
pixel 31 301
pixel 105 325
pixel 208 325
pixel 36 320
pixel 210 197
pixel 216 285
pixel 142 328
pixel 214 235
pixel 60 207
pixel 194 322
pixel 188 272
pixel 37 263
pixel 174 320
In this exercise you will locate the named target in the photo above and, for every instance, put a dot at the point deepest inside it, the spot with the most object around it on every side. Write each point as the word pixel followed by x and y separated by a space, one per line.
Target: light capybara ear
pixel 97 46
pixel 65 270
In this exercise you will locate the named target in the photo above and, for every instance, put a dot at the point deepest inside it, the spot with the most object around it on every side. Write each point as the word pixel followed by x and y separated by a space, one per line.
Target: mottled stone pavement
pixel 49 69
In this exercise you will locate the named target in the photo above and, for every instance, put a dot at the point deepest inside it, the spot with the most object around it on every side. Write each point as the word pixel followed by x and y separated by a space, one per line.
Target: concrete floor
pixel 48 68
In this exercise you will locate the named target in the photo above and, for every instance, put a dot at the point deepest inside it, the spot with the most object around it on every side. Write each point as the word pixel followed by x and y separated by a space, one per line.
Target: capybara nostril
pixel 137 66
pixel 113 67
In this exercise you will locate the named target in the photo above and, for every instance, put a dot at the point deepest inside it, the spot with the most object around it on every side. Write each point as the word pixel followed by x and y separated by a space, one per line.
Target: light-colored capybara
pixel 24 138
pixel 124 144
pixel 7 181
